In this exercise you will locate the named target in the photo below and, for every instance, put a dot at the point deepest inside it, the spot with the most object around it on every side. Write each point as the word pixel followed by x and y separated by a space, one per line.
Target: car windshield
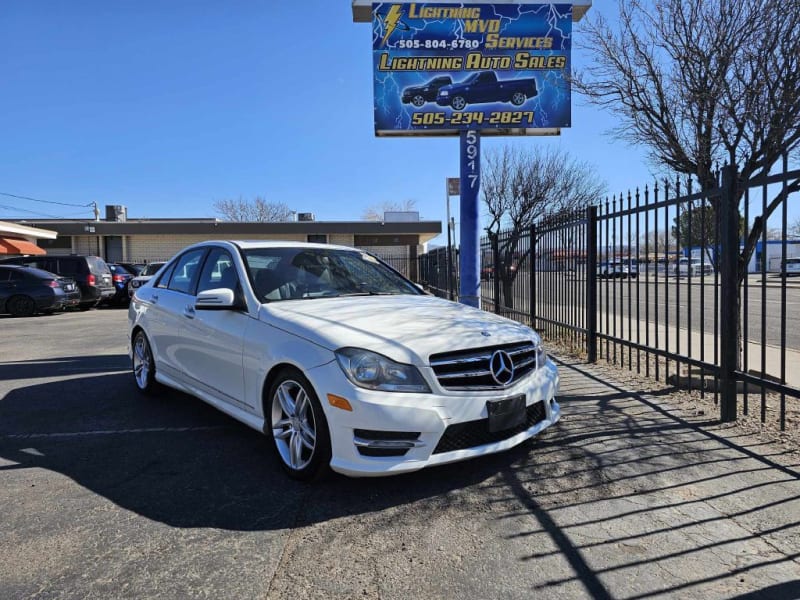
pixel 300 273
pixel 152 268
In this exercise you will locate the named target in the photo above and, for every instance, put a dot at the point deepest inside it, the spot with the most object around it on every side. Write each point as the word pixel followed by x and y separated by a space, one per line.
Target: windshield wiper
pixel 370 293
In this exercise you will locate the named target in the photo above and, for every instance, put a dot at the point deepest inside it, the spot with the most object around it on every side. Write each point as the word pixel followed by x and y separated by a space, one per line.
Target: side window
pixel 163 281
pixel 39 264
pixel 184 277
pixel 218 272
pixel 66 266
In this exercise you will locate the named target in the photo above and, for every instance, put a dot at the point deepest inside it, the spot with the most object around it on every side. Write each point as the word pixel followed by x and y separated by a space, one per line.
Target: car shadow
pixel 63 366
pixel 176 460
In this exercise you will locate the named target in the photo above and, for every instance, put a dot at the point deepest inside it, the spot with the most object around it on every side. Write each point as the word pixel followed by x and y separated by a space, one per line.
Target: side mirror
pixel 216 299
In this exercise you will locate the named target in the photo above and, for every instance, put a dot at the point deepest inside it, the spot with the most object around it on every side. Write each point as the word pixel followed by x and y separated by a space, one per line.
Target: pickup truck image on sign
pixel 485 87
pixel 419 95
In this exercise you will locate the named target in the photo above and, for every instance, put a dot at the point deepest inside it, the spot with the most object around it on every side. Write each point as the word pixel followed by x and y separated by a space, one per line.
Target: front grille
pixel 469 369
pixel 476 433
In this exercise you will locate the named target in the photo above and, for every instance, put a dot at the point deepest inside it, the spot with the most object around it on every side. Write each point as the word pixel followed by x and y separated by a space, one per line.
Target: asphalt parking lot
pixel 109 495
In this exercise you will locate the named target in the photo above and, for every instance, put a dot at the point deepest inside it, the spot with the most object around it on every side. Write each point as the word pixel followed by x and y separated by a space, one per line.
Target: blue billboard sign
pixel 496 68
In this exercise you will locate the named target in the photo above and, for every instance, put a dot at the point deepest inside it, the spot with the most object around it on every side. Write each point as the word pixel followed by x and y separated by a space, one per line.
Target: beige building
pixel 119 239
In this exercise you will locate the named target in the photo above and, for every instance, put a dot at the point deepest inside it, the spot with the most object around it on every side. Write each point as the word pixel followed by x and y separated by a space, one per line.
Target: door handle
pixel 188 312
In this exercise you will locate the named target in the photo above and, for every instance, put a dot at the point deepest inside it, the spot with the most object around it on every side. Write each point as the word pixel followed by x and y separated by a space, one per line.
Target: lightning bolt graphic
pixel 391 20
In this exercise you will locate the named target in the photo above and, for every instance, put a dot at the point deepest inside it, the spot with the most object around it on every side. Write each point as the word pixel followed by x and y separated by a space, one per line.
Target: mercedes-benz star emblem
pixel 502 367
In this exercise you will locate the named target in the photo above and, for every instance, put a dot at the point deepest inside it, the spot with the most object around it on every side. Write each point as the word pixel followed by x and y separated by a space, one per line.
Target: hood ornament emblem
pixel 485 333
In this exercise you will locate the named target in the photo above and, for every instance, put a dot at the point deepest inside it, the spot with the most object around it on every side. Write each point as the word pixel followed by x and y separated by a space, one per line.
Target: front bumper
pixel 429 429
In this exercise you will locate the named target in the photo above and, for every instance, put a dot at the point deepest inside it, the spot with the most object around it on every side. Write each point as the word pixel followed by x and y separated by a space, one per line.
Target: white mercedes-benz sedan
pixel 337 357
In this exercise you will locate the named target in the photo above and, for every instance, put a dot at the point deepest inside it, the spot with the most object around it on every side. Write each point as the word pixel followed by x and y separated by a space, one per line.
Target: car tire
pixel 84 306
pixel 298 426
pixel 458 103
pixel 143 365
pixel 418 101
pixel 518 99
pixel 21 306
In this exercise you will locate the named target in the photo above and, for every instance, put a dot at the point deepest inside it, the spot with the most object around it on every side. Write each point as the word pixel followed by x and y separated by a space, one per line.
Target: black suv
pixel 91 273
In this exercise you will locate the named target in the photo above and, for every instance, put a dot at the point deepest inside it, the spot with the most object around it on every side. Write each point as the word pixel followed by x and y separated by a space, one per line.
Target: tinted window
pixel 184 276
pixel 119 270
pixel 65 266
pixel 97 265
pixel 218 272
pixel 163 281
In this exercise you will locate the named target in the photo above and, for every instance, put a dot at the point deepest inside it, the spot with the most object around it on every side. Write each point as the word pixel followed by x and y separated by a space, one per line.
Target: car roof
pixel 254 244
pixel 32 270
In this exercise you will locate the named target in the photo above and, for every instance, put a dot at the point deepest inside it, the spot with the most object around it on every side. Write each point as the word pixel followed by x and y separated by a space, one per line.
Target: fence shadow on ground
pixel 638 502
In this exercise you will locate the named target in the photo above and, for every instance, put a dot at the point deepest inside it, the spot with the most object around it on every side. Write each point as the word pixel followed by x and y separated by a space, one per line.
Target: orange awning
pixel 12 245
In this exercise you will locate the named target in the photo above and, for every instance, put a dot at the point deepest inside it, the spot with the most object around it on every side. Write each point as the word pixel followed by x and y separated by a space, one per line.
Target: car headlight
pixel 444 93
pixel 135 283
pixel 376 372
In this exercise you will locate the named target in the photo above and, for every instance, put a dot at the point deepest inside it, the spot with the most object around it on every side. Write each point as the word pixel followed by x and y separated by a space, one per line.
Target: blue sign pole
pixel 469 255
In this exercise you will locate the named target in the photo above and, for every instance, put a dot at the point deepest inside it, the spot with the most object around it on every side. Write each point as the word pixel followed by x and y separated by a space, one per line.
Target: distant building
pixel 17 239
pixel 119 238
pixel 772 253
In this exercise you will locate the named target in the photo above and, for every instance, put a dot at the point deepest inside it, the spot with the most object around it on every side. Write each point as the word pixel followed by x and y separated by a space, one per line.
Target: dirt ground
pixel 693 404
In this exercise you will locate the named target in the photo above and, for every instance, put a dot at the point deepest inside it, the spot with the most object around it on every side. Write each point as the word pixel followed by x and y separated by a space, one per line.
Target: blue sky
pixel 166 107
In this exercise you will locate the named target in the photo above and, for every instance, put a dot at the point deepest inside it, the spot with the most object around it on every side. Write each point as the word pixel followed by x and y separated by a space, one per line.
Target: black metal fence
pixel 652 281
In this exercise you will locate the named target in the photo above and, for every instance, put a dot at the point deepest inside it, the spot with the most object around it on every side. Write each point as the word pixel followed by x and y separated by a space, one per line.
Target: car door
pixel 7 287
pixel 211 356
pixel 166 313
pixel 483 88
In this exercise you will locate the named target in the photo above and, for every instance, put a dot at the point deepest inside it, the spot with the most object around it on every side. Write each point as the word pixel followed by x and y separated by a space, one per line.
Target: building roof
pixel 19 230
pixel 426 230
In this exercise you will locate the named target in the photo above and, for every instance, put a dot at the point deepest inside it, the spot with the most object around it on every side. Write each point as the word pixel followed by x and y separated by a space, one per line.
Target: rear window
pixel 97 265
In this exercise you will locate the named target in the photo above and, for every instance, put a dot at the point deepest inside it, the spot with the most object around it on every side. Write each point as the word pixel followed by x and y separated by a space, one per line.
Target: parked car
pixel 618 268
pixel 25 291
pixel 133 268
pixel 91 273
pixel 121 276
pixel 143 277
pixel 419 95
pixel 792 266
pixel 338 358
pixel 692 266
pixel 484 86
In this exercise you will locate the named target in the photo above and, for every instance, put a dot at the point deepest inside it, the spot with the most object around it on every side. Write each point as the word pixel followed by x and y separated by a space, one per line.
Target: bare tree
pixel 257 211
pixel 795 229
pixel 699 82
pixel 376 211
pixel 659 244
pixel 523 185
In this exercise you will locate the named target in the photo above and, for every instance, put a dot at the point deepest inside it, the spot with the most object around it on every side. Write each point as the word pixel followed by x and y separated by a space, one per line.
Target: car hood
pixel 405 328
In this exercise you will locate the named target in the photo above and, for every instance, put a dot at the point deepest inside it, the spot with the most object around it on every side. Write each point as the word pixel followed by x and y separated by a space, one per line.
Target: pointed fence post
pixel 591 284
pixel 729 294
